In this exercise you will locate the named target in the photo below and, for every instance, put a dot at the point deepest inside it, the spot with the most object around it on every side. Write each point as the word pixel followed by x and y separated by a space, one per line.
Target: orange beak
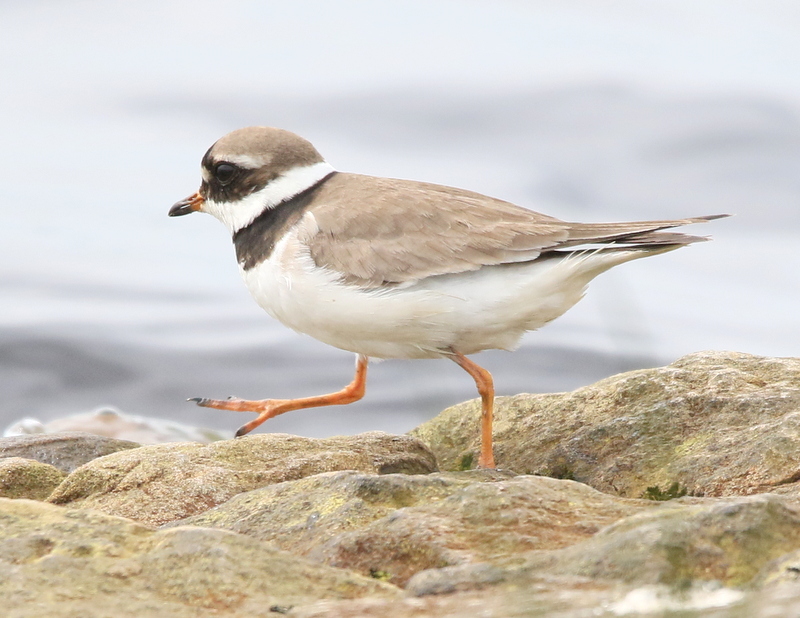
pixel 188 205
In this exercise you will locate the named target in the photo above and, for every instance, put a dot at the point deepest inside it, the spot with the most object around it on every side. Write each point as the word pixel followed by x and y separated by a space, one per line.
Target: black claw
pixel 232 397
pixel 241 431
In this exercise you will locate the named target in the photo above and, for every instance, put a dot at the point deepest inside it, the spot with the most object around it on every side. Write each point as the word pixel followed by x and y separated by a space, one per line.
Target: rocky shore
pixel 674 489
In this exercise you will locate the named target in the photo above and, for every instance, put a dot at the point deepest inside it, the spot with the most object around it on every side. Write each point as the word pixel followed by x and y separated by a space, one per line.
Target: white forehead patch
pixel 239 214
pixel 246 161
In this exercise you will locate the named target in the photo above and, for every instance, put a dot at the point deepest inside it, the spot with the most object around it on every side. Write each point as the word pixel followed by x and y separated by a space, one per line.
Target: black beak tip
pixel 180 208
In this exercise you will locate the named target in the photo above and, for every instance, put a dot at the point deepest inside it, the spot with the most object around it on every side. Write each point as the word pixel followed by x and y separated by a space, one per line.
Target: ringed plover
pixel 392 268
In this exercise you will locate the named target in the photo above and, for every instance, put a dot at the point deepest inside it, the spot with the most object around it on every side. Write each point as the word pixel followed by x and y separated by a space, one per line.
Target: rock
pixel 27 478
pixel 483 522
pixel 700 601
pixel 701 557
pixel 560 598
pixel 777 601
pixel 564 598
pixel 23 427
pixel 59 562
pixel 683 542
pixel 301 515
pixel 452 579
pixel 712 423
pixel 110 422
pixel 161 483
pixel 782 570
pixel 394 526
pixel 65 451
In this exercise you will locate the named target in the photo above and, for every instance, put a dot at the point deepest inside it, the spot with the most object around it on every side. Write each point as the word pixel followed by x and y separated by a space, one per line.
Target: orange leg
pixel 267 408
pixel 485 384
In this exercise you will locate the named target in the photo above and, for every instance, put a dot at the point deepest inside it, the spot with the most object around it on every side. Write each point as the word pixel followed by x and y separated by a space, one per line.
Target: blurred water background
pixel 584 110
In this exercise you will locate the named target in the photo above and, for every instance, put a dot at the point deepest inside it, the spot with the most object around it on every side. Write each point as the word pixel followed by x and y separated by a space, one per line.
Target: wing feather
pixel 378 232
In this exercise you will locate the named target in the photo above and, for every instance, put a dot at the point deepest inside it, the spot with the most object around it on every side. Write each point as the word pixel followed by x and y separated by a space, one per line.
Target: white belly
pixel 470 312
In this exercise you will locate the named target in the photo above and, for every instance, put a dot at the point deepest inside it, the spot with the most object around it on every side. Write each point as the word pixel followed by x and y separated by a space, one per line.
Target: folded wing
pixel 378 232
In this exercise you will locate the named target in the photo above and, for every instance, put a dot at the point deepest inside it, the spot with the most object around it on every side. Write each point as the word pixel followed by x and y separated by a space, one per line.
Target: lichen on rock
pixel 161 483
pixel 398 525
pixel 28 478
pixel 68 562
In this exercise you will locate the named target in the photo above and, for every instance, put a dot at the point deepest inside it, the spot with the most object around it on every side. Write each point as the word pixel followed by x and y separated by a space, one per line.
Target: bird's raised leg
pixel 267 408
pixel 485 384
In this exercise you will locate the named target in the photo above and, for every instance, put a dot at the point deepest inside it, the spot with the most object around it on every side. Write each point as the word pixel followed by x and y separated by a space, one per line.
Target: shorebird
pixel 391 268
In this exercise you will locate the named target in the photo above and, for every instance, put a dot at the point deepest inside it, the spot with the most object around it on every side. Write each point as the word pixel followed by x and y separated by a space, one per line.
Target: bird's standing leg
pixel 485 384
pixel 267 408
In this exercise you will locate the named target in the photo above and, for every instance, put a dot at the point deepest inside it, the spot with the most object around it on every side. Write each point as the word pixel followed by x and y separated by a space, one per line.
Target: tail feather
pixel 660 238
pixel 637 233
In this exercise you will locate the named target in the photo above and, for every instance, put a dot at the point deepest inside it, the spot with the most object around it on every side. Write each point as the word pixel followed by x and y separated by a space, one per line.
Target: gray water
pixel 630 111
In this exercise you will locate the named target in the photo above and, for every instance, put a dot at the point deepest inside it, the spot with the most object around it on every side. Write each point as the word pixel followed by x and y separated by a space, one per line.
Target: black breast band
pixel 255 243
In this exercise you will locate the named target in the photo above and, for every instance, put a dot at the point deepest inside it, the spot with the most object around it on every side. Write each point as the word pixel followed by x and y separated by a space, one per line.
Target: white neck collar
pixel 240 214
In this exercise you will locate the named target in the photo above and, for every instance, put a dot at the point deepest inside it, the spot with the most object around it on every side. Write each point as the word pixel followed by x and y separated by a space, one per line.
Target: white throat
pixel 238 215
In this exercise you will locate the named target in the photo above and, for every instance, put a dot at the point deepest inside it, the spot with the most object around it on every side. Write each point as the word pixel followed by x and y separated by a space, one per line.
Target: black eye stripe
pixel 241 184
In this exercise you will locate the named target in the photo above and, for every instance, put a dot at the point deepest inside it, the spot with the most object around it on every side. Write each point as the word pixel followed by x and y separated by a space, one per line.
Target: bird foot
pixel 234 404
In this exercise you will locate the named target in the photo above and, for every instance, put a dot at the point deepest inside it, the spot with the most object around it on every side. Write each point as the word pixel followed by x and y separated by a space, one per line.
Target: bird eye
pixel 224 172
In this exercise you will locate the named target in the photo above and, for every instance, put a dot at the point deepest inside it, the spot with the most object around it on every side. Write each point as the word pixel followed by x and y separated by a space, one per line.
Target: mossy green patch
pixel 675 490
pixel 383 576
pixel 466 462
